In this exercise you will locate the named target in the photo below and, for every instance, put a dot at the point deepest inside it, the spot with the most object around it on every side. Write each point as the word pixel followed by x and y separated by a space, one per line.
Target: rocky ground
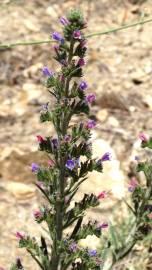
pixel 119 69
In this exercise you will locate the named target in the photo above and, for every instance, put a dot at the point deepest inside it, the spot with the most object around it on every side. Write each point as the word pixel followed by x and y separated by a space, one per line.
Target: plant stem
pixel 131 241
pixel 34 257
pixel 109 31
pixel 55 261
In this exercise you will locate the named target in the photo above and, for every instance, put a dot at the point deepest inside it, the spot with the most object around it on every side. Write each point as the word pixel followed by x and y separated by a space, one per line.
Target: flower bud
pixel 83 85
pixel 102 195
pixel 64 21
pixel 81 62
pixel 20 235
pixel 47 72
pixel 143 137
pixel 35 167
pixel 90 124
pixel 90 98
pixel 40 138
pixel 57 36
pixel 77 34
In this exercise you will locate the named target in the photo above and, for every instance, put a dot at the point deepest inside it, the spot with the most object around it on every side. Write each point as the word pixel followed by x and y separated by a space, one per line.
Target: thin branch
pixel 34 257
pixel 109 31
pixel 129 206
pixel 25 43
pixel 141 22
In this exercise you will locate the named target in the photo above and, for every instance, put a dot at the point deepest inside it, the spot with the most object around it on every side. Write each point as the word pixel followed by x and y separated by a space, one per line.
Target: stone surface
pixel 118 70
pixel 21 191
pixel 112 178
pixel 91 242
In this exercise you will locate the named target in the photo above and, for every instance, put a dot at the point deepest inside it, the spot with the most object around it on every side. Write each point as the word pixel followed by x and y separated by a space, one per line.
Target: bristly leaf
pixel 79 208
pixel 79 107
pixel 147 143
pixel 113 237
pixel 45 116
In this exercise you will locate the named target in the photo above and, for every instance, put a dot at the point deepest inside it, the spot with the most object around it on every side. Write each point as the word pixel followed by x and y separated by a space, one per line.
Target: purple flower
pixel 92 253
pixel 73 247
pixel 57 36
pixel 90 124
pixel 45 107
pixel 131 189
pixel 81 62
pixel 70 164
pixel 67 138
pixel 77 34
pixel 47 72
pixel 64 21
pixel 103 225
pixel 106 157
pixel 90 98
pixel 55 142
pixel 83 85
pixel 35 167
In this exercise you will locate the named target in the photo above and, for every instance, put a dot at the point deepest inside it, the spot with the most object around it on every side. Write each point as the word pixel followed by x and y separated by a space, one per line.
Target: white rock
pixel 112 178
pixel 91 241
pixel 112 121
pixel 148 101
pixel 32 91
pixel 20 190
pixel 102 115
pixel 51 10
pixel 30 25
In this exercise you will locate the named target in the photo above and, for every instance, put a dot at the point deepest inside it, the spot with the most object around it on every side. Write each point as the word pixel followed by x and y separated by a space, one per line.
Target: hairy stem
pixel 55 261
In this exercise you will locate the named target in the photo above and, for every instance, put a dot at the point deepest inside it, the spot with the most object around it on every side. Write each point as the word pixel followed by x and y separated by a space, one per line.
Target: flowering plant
pixel 136 226
pixel 60 180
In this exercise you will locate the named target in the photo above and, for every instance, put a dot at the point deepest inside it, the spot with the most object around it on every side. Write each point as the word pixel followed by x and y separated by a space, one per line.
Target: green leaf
pixel 141 167
pixel 50 82
pixel 46 116
pixel 148 144
pixel 77 211
pixel 113 237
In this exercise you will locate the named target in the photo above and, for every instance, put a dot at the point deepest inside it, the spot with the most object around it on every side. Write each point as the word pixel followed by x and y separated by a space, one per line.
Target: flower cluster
pixel 60 179
pixel 65 169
